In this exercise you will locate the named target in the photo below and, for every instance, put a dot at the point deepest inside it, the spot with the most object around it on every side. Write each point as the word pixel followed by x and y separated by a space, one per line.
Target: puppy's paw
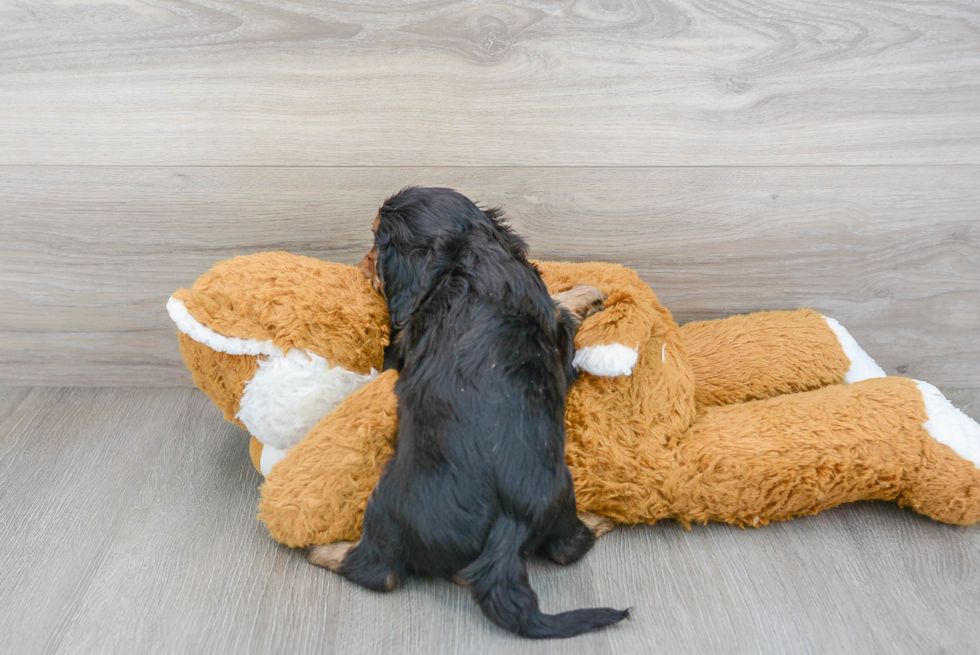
pixel 581 301
pixel 600 525
pixel 329 556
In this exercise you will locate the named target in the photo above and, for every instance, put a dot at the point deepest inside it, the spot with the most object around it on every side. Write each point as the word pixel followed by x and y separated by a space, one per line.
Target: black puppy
pixel 479 479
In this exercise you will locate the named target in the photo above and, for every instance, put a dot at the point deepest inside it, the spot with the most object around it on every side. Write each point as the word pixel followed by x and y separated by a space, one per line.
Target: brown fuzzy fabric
pixel 631 312
pixel 255 452
pixel 318 493
pixel 761 355
pixel 220 375
pixel 741 420
pixel 774 459
pixel 295 302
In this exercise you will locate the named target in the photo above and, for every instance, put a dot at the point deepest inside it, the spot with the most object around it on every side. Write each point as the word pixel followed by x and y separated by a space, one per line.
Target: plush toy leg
pixel 768 354
pixel 942 487
pixel 770 460
pixel 609 341
pixel 317 494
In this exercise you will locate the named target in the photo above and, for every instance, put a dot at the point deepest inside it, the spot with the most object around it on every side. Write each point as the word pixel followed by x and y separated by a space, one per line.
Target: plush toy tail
pixel 498 581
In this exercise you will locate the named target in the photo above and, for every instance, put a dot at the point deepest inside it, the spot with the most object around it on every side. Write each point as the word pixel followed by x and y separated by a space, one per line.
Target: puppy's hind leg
pixel 581 301
pixel 372 566
pixel 571 310
pixel 570 539
pixel 374 562
pixel 600 525
pixel 329 556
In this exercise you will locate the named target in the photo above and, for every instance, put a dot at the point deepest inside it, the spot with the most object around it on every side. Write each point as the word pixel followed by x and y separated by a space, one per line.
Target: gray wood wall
pixel 742 155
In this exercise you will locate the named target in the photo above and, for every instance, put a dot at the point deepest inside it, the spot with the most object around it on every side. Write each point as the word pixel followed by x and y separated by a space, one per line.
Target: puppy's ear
pixel 402 278
pixel 390 224
pixel 503 233
pixel 495 214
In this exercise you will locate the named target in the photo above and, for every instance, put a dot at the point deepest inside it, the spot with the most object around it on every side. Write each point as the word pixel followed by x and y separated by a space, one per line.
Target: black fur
pixel 479 479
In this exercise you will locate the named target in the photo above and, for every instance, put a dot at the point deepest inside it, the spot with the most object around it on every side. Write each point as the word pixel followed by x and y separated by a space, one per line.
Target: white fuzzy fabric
pixel 862 366
pixel 290 393
pixel 270 457
pixel 950 426
pixel 607 361
pixel 203 334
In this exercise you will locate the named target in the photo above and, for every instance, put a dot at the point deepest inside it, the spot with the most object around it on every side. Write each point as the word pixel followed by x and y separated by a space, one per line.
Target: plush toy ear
pixel 220 323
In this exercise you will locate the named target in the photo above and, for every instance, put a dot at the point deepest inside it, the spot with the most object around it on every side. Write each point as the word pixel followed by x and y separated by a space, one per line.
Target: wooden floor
pixel 129 527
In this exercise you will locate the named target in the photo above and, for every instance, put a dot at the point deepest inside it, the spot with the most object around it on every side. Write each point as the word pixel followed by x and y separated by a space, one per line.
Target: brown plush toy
pixel 746 420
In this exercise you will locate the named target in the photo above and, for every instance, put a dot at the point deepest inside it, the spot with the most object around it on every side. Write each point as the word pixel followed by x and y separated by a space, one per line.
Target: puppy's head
pixel 412 226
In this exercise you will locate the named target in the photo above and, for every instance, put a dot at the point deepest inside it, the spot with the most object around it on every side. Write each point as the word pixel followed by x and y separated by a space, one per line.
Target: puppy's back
pixel 479 477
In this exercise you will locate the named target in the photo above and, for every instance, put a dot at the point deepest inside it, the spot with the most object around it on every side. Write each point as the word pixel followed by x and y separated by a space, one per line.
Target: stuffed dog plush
pixel 747 420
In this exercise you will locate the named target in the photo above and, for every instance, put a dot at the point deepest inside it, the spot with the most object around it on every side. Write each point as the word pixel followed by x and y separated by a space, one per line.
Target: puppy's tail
pixel 497 579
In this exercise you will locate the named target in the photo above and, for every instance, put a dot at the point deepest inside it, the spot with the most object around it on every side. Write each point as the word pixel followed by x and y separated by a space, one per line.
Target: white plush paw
pixel 862 366
pixel 950 426
pixel 606 361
